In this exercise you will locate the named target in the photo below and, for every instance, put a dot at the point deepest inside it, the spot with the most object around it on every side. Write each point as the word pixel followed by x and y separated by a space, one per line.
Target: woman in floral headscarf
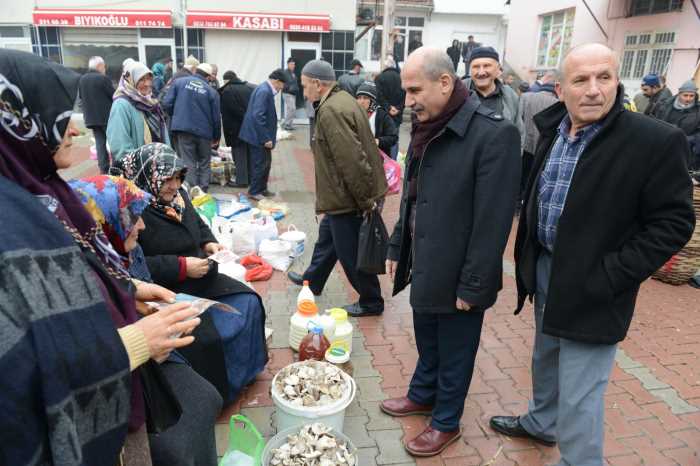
pixel 230 349
pixel 136 117
pixel 117 204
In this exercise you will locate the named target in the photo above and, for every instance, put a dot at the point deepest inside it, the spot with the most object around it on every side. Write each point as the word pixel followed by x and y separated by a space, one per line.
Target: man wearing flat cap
pixel 195 122
pixel 350 181
pixel 259 130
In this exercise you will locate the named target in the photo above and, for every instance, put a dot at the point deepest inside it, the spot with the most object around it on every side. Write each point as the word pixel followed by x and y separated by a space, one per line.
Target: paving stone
pixel 354 428
pixel 677 404
pixel 354 409
pixel 378 420
pixel 369 389
pixel 367 456
pixel 649 381
pixel 362 366
pixel 221 432
pixel 262 418
pixel 391 450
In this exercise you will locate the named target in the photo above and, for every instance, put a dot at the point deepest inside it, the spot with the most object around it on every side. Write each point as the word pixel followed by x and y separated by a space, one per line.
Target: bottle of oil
pixel 314 345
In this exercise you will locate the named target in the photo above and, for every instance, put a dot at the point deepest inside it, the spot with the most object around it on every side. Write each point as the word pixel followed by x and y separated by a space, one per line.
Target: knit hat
pixel 688 86
pixel 205 68
pixel 138 70
pixel 278 75
pixel 651 80
pixel 229 75
pixel 191 62
pixel 355 63
pixel 367 88
pixel 319 69
pixel 483 52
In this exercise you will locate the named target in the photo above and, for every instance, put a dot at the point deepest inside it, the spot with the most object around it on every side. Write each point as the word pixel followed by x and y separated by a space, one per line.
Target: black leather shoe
pixel 298 279
pixel 267 193
pixel 355 310
pixel 510 426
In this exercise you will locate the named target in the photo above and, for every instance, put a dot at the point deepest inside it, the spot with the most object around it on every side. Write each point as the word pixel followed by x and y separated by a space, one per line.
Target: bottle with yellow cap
pixel 300 322
pixel 343 329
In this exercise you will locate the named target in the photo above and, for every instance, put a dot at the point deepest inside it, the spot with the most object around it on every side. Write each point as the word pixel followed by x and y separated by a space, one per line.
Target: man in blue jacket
pixel 196 123
pixel 259 130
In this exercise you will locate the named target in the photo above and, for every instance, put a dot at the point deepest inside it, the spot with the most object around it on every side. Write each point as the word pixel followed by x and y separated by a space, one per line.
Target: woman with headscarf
pixel 381 124
pixel 67 390
pixel 177 244
pixel 136 117
pixel 117 204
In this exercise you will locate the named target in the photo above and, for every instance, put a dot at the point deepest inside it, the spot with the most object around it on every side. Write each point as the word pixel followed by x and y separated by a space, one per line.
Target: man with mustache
pixel 485 71
pixel 457 206
pixel 609 204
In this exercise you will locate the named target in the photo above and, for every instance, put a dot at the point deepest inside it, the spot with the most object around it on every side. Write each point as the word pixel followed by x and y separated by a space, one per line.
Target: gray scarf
pixel 679 106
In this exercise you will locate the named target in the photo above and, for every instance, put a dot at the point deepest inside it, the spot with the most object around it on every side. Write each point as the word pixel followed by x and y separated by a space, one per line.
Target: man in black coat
pixel 607 204
pixel 96 91
pixel 456 213
pixel 235 95
pixel 391 96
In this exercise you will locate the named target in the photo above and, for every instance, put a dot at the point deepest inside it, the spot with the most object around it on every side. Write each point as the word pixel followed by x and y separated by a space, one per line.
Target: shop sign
pixel 258 22
pixel 103 18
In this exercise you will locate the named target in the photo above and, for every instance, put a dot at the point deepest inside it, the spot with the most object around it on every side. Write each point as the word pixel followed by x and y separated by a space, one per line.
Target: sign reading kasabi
pixel 103 18
pixel 259 21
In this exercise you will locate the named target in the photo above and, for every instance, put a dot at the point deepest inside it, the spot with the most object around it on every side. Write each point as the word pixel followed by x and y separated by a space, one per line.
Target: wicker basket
pixel 684 265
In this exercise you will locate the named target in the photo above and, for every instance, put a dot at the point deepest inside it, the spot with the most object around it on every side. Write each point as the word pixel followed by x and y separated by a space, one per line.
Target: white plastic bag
pixel 243 238
pixel 265 228
pixel 276 253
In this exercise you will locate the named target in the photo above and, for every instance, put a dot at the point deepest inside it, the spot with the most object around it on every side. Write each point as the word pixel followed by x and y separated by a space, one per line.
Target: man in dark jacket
pixel 381 124
pixel 352 80
pixel 259 130
pixel 609 203
pixel 391 96
pixel 96 91
pixel 455 52
pixel 467 48
pixel 350 181
pixel 196 123
pixel 683 111
pixel 456 213
pixel 656 92
pixel 235 95
pixel 289 95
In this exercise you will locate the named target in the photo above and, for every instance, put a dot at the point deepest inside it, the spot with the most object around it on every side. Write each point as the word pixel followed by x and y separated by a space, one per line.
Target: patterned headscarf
pixel 115 203
pixel 149 167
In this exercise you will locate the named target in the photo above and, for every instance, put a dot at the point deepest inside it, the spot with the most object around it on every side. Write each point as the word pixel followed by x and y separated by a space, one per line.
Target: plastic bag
pixel 243 238
pixel 245 444
pixel 265 228
pixel 205 205
pixel 257 269
pixel 276 253
pixel 392 171
pixel 373 243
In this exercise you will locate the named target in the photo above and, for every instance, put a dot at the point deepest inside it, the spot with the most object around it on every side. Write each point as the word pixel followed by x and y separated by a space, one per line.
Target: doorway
pixel 303 47
pixel 152 51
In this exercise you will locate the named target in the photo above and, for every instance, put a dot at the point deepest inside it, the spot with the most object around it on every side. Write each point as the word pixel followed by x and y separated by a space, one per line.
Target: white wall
pixel 470 7
pixel 251 54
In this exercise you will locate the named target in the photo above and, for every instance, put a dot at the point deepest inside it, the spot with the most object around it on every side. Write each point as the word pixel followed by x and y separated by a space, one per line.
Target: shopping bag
pixel 276 253
pixel 243 240
pixel 392 171
pixel 258 269
pixel 373 242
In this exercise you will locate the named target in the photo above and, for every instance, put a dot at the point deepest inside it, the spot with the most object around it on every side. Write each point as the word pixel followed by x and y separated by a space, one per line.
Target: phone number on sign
pixel 153 23
pixel 305 28
pixel 53 22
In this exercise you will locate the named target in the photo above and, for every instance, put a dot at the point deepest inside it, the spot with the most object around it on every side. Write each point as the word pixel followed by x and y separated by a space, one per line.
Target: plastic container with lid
pixel 300 322
pixel 305 294
pixel 343 329
pixel 328 323
pixel 337 356
pixel 314 345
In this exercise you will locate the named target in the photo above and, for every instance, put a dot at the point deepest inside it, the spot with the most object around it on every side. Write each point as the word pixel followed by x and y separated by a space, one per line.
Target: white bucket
pixel 333 415
pixel 296 239
pixel 281 438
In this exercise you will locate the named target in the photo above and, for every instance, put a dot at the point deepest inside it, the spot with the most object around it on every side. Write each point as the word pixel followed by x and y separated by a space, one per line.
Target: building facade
pixel 252 41
pixel 659 36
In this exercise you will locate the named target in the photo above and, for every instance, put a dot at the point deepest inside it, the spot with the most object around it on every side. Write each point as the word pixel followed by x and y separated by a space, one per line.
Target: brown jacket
pixel 349 170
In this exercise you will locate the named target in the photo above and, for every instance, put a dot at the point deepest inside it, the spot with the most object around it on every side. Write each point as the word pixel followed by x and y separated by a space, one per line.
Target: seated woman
pixel 136 117
pixel 117 204
pixel 381 124
pixel 230 349
pixel 71 340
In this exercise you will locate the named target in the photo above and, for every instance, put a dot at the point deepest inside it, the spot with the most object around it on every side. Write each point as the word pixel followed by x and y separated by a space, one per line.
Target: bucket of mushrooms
pixel 313 444
pixel 311 391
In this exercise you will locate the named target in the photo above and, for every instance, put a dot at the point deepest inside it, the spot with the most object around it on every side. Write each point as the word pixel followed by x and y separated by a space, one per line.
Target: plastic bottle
pixel 305 294
pixel 343 329
pixel 306 313
pixel 328 323
pixel 314 345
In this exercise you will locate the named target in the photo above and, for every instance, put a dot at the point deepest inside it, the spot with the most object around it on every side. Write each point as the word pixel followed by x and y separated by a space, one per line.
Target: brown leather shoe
pixel 402 406
pixel 431 442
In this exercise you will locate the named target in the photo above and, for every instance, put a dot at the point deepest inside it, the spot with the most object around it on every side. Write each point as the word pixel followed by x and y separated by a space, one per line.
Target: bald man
pixel 610 203
pixel 461 182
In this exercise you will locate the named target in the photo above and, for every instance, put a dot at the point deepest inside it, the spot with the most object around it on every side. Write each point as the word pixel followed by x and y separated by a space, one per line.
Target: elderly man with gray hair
pixel 96 91
pixel 460 186
pixel 350 181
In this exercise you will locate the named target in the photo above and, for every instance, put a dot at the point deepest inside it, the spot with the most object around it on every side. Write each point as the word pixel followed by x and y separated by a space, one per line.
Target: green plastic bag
pixel 243 437
pixel 205 205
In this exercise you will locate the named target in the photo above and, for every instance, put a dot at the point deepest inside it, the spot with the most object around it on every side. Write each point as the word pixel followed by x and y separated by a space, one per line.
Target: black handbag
pixel 163 410
pixel 373 243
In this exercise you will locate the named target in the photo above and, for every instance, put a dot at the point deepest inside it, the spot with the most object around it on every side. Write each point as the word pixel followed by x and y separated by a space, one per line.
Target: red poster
pixel 259 21
pixel 103 18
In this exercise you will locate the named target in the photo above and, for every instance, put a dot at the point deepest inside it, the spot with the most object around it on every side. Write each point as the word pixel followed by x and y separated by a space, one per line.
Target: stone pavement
pixel 652 402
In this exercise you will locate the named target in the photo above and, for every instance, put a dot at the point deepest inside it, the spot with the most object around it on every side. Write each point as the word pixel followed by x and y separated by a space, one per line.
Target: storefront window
pixel 555 38
pixel 46 41
pixel 338 48
pixel 77 56
pixel 377 44
pixel 195 45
